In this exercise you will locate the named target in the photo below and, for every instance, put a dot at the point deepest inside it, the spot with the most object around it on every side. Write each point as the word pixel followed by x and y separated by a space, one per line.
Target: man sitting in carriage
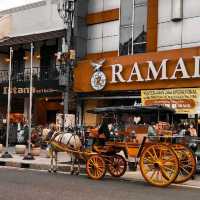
pixel 104 132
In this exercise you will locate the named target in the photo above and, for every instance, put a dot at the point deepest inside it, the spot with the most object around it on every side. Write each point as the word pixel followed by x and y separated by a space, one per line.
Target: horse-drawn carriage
pixel 163 159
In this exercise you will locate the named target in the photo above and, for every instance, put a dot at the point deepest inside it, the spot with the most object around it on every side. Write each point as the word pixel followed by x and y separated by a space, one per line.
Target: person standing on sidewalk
pixel 26 132
pixel 52 128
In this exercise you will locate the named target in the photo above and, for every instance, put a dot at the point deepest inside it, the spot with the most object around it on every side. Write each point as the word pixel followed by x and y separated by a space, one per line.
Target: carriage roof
pixel 132 109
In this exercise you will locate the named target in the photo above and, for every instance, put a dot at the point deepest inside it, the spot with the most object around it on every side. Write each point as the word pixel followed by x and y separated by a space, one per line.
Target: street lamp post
pixel 66 10
pixel 6 153
pixel 29 155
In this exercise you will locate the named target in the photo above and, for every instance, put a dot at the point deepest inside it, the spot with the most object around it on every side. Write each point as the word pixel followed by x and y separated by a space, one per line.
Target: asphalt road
pixel 18 184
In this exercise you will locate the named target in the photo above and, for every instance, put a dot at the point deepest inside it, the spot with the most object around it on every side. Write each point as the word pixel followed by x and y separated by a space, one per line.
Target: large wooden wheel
pixel 117 166
pixel 187 162
pixel 95 167
pixel 159 165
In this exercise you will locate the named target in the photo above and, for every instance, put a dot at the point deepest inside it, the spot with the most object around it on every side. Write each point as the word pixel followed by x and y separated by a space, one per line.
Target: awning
pixel 32 38
pixel 131 109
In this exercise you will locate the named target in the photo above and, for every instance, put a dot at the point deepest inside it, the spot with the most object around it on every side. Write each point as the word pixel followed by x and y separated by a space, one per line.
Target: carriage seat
pixel 93 133
pixel 140 131
pixel 102 149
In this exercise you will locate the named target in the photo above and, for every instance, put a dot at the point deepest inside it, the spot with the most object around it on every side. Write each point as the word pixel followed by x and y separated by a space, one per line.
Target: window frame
pixel 132 27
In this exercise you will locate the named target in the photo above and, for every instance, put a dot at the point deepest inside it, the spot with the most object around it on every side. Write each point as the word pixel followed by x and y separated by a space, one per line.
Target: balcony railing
pixel 39 74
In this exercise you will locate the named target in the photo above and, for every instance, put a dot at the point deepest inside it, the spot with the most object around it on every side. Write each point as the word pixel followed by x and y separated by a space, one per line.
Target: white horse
pixel 61 142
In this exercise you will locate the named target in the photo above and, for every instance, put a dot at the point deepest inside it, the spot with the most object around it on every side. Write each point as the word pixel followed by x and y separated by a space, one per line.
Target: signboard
pixel 24 91
pixel 69 121
pixel 184 101
pixel 167 69
pixel 59 121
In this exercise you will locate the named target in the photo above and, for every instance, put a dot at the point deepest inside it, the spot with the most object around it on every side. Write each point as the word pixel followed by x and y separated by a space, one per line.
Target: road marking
pixel 111 178
pixel 187 186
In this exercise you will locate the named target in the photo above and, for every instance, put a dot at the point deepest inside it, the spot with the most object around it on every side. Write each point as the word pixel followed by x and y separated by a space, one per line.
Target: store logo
pixel 16 90
pixel 98 79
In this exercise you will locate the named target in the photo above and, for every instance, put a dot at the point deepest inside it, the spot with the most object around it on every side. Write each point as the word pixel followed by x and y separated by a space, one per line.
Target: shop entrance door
pixel 51 116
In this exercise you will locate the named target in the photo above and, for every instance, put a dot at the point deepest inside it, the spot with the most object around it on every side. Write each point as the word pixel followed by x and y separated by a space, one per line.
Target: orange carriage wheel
pixel 187 163
pixel 117 166
pixel 96 167
pixel 159 165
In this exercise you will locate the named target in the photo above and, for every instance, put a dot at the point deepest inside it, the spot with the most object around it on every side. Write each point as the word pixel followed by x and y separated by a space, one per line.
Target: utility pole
pixel 29 155
pixel 6 153
pixel 66 10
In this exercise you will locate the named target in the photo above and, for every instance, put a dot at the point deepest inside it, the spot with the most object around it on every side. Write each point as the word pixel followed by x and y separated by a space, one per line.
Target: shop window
pixel 133 26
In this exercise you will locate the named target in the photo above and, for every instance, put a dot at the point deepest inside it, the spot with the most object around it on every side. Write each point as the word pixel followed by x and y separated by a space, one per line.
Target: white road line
pixel 68 173
pixel 187 186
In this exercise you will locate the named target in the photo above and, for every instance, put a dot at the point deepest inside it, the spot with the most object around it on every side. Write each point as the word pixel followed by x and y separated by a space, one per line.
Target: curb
pixel 24 165
pixel 66 169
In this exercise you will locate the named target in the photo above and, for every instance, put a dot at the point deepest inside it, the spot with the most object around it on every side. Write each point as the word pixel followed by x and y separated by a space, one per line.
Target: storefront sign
pixel 98 79
pixel 170 69
pixel 184 101
pixel 16 90
pixel 180 71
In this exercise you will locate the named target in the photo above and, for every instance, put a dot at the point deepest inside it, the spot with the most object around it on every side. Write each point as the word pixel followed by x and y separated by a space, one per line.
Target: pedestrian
pixel 192 130
pixel 152 130
pixel 26 132
pixel 53 129
pixel 182 129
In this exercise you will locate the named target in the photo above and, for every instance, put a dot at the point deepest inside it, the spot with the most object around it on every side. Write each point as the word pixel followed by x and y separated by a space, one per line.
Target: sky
pixel 6 4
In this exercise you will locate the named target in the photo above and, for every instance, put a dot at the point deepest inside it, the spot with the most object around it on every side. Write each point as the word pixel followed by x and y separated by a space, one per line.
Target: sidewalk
pixel 42 162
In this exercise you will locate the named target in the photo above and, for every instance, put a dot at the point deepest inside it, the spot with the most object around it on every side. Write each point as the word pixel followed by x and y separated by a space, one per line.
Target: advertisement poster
pixel 59 120
pixel 69 121
pixel 184 100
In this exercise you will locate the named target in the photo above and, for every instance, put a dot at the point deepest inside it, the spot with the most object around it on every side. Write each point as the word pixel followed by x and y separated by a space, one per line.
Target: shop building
pixel 40 24
pixel 136 50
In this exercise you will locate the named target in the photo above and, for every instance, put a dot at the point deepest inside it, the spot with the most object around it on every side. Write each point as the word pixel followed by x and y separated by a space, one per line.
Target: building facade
pixel 38 24
pixel 140 52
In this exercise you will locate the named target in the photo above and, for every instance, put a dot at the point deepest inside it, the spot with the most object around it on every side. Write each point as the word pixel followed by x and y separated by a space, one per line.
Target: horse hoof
pixel 50 170
pixel 72 172
pixel 55 171
pixel 77 173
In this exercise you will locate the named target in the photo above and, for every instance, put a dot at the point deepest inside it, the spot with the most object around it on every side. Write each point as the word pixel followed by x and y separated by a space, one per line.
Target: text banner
pixel 184 101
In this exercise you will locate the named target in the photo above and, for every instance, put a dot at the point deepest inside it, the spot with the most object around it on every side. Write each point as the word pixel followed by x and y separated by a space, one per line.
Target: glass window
pixel 133 26
pixel 110 43
pixel 139 2
pixel 140 16
pixel 126 15
pixel 125 40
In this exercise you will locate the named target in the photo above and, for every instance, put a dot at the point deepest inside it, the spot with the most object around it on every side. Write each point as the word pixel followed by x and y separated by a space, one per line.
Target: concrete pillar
pixel 79 113
pixel 26 107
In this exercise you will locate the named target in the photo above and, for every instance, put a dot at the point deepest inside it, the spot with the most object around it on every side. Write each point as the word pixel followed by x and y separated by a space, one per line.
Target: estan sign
pixel 16 90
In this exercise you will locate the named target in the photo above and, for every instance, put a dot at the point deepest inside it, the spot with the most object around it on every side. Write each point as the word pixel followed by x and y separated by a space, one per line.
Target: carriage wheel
pixel 117 166
pixel 159 165
pixel 95 167
pixel 187 163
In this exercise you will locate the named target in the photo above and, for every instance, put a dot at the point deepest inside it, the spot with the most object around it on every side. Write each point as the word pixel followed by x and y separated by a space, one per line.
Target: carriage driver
pixel 104 131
